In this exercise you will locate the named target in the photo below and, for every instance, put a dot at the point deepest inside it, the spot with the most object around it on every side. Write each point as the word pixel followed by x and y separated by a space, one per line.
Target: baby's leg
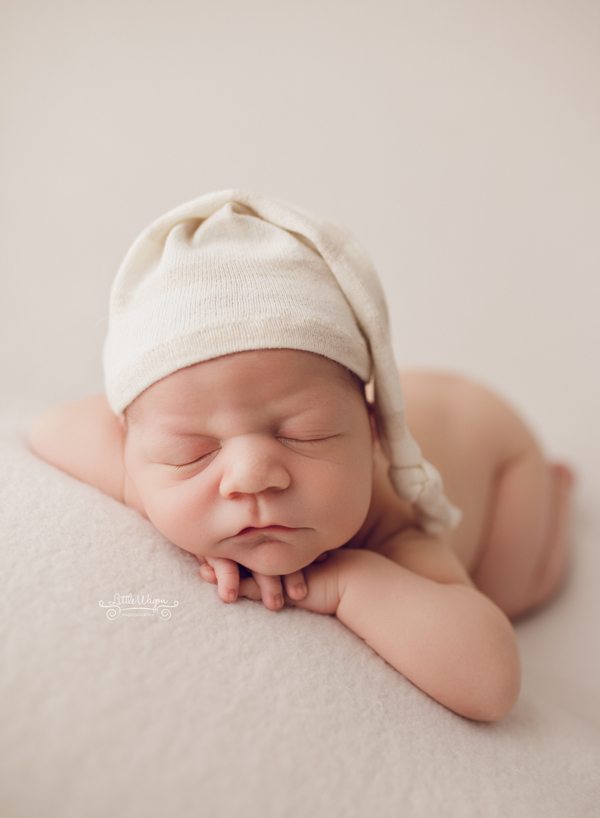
pixel 525 556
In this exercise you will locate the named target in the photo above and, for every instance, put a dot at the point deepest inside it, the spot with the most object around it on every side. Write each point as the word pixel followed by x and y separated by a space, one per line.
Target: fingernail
pixel 300 589
pixel 278 600
pixel 230 596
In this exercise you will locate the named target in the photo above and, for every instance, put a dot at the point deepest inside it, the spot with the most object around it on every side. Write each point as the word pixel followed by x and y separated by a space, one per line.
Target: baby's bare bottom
pixel 513 538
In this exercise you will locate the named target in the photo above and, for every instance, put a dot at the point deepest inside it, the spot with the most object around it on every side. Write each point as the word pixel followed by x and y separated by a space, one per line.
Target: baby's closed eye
pixel 308 439
pixel 308 442
pixel 197 460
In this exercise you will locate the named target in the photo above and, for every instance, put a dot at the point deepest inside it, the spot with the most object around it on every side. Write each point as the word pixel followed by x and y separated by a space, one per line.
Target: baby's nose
pixel 251 467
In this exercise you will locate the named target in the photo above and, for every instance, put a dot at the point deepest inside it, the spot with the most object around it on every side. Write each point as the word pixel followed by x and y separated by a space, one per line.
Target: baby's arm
pixel 445 637
pixel 84 439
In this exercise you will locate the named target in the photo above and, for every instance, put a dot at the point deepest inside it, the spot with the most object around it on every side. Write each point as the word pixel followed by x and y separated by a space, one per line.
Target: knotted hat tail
pixel 234 270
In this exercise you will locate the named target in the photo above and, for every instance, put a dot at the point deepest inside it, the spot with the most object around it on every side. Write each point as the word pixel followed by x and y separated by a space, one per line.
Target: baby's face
pixel 272 437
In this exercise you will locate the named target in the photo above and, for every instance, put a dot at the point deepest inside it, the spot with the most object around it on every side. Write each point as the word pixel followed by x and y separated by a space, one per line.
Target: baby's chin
pixel 275 559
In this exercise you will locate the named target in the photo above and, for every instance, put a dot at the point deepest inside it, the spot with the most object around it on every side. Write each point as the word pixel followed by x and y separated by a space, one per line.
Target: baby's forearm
pixel 448 639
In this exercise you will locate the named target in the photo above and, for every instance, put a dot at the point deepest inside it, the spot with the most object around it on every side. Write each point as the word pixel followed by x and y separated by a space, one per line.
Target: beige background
pixel 459 141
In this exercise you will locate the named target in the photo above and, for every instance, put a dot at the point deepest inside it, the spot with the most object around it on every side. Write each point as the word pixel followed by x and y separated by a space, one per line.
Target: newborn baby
pixel 277 451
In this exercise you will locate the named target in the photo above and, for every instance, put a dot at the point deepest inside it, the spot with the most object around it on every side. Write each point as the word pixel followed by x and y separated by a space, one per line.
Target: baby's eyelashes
pixel 197 460
pixel 300 440
pixel 314 441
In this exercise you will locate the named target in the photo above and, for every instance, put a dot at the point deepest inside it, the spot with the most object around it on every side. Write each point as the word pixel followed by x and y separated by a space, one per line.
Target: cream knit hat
pixel 234 270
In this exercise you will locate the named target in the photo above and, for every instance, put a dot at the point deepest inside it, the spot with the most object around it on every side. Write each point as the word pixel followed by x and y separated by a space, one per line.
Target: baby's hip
pixel 468 431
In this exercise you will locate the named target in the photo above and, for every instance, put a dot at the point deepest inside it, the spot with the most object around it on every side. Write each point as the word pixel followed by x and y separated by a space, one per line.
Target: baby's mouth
pixel 266 529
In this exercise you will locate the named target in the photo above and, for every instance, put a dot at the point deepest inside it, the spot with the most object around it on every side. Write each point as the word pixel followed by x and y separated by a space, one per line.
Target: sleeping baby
pixel 255 415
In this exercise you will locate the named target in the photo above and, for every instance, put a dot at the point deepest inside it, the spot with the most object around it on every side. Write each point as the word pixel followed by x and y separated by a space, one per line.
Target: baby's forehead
pixel 265 371
pixel 183 399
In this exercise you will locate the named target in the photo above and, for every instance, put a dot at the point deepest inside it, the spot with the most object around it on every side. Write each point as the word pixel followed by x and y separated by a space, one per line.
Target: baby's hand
pixel 322 586
pixel 225 574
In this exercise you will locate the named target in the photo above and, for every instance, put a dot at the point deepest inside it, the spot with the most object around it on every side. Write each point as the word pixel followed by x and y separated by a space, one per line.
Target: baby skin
pixel 266 466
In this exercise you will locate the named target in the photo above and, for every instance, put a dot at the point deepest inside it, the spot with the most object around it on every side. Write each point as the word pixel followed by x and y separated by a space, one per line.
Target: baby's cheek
pixel 344 503
pixel 180 517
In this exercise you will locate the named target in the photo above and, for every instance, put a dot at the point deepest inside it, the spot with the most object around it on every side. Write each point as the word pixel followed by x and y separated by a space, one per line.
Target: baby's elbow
pixel 39 435
pixel 509 670
pixel 488 681
pixel 496 700
pixel 503 680
pixel 84 439
pixel 503 700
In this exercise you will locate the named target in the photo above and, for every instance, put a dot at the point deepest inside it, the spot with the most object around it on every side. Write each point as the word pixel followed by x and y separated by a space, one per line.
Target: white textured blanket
pixel 198 708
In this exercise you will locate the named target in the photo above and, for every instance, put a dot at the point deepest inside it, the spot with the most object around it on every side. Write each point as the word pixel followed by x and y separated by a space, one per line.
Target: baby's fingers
pixel 228 578
pixel 226 575
pixel 295 585
pixel 207 572
pixel 249 589
pixel 270 588
pixel 272 591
